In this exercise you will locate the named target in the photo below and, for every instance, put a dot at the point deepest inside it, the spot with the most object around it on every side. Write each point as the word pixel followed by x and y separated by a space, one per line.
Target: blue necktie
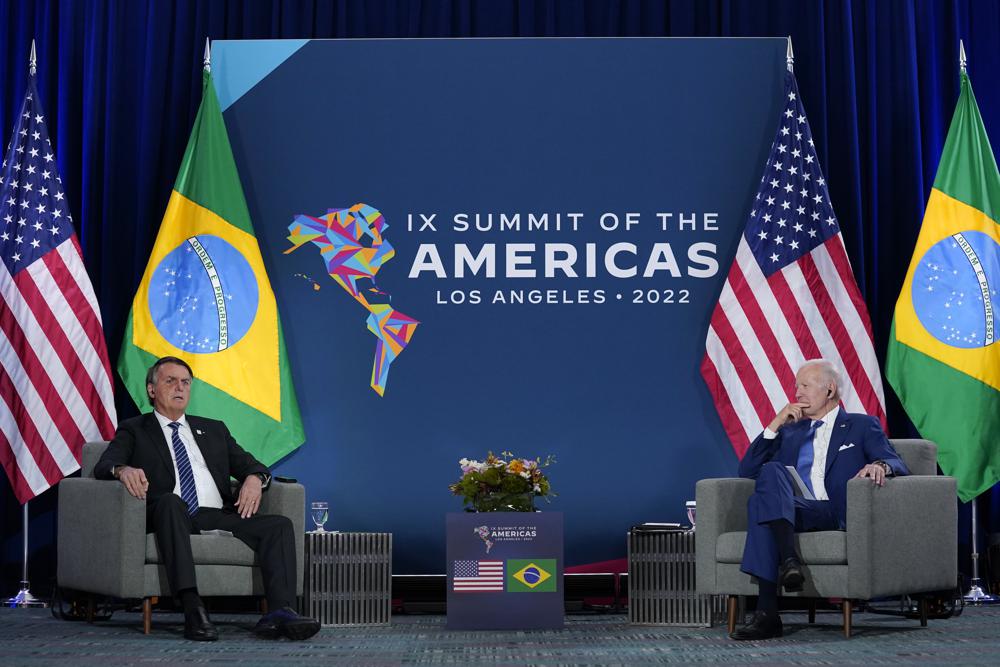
pixel 188 492
pixel 806 453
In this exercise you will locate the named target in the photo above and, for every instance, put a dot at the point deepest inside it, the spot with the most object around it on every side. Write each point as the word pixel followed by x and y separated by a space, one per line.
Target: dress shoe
pixel 285 622
pixel 790 575
pixel 267 627
pixel 198 627
pixel 763 625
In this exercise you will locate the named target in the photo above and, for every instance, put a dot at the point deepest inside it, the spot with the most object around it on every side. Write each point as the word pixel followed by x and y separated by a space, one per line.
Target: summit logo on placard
pixel 493 535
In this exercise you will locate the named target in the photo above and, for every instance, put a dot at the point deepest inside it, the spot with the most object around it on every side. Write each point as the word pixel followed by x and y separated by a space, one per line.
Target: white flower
pixel 525 474
pixel 468 466
pixel 538 489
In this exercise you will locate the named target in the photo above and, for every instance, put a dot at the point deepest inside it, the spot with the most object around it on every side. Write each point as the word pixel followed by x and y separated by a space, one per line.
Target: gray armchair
pixel 900 539
pixel 103 546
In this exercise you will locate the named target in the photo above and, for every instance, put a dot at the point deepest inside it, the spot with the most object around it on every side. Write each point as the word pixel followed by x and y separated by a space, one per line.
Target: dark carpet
pixel 34 637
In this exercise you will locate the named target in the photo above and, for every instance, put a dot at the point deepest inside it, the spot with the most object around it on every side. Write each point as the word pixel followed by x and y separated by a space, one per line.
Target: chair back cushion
pixel 920 456
pixel 91 455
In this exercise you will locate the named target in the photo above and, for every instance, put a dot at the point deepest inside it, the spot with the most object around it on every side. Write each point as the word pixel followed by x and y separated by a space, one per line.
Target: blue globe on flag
pixel 531 575
pixel 955 289
pixel 203 295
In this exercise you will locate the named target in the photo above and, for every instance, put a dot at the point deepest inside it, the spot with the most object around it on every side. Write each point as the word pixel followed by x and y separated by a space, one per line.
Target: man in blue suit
pixel 827 447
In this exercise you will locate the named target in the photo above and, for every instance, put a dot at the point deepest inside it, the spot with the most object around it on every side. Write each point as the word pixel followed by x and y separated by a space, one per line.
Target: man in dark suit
pixel 827 447
pixel 181 465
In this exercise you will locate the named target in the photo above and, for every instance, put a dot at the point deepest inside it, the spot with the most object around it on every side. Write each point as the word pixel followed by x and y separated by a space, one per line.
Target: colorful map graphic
pixel 352 245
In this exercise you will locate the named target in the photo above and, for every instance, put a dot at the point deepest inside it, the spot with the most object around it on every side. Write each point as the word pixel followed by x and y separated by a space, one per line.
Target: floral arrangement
pixel 502 483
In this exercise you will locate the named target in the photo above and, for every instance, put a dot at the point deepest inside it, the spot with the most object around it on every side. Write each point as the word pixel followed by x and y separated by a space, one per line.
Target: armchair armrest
pixel 101 538
pixel 722 508
pixel 901 537
pixel 289 499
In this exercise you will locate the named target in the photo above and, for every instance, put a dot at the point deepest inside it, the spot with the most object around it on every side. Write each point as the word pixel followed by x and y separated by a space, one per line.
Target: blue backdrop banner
pixel 501 244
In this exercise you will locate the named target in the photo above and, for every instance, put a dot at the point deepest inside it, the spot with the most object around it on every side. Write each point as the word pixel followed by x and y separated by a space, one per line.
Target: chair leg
pixel 812 610
pixel 731 605
pixel 147 615
pixel 262 603
pixel 847 619
pixel 90 609
pixel 923 611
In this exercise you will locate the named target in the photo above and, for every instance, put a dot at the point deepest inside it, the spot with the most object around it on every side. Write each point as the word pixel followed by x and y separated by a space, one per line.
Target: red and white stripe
pixel 56 389
pixel 490 578
pixel 763 329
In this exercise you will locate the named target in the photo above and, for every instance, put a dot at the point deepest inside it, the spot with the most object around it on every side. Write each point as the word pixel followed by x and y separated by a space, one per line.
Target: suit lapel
pixel 155 433
pixel 837 438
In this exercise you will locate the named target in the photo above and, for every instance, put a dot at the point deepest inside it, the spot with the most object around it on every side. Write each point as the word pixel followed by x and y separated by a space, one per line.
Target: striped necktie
pixel 806 454
pixel 189 493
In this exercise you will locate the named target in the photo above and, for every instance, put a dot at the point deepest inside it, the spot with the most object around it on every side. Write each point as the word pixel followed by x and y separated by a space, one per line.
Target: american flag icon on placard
pixel 472 576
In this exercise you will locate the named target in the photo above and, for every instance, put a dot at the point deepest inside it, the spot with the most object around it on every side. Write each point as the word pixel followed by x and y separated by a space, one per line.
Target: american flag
pixel 790 295
pixel 478 575
pixel 55 379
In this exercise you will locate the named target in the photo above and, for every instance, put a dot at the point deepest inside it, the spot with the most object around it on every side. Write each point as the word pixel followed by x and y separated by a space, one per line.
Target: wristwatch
pixel 116 471
pixel 886 467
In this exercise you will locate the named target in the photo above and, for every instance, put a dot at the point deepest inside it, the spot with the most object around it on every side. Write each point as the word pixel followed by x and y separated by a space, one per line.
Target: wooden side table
pixel 348 578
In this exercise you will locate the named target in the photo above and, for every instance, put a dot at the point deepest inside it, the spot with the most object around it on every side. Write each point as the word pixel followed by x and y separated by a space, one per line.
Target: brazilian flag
pixel 205 298
pixel 943 358
pixel 531 576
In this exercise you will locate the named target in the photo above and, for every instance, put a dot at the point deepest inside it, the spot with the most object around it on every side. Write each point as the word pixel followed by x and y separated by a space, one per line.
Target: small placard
pixel 505 570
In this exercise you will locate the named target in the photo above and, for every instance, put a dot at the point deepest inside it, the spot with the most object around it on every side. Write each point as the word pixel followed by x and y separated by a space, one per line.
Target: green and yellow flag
pixel 205 298
pixel 943 358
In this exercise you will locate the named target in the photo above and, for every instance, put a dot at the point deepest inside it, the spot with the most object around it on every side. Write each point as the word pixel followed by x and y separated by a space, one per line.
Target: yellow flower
pixel 516 466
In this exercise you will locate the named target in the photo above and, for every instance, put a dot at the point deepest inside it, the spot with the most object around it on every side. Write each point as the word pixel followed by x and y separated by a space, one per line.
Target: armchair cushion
pixel 828 547
pixel 209 550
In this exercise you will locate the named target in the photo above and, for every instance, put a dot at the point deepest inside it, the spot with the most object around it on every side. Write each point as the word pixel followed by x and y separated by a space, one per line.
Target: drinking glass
pixel 320 513
pixel 690 506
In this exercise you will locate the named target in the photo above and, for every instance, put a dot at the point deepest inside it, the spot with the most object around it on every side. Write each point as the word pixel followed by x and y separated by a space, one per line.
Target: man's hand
pixel 134 480
pixel 249 500
pixel 874 471
pixel 790 413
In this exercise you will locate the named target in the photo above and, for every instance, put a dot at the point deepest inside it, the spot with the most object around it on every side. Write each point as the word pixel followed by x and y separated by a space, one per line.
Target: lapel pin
pixel 198 431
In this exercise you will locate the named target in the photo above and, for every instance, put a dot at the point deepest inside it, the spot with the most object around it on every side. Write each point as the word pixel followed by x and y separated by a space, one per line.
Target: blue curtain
pixel 120 82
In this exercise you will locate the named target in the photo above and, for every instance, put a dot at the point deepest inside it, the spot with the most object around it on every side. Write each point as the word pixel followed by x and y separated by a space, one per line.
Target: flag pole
pixel 976 595
pixel 789 56
pixel 24 598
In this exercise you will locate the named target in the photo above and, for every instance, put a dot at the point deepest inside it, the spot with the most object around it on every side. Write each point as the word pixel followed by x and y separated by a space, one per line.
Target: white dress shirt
pixel 204 484
pixel 821 446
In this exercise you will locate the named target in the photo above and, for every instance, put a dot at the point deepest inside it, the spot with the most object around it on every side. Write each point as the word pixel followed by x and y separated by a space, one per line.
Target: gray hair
pixel 830 371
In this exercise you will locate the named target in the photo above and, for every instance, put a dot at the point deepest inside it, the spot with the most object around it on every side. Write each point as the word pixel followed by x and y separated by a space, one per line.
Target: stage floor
pixel 34 637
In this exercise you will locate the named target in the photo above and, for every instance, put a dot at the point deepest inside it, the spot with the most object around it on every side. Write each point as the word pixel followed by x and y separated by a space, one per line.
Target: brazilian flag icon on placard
pixel 531 576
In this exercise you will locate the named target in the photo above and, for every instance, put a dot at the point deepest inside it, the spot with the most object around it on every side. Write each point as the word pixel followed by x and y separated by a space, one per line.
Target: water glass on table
pixel 320 514
pixel 691 507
